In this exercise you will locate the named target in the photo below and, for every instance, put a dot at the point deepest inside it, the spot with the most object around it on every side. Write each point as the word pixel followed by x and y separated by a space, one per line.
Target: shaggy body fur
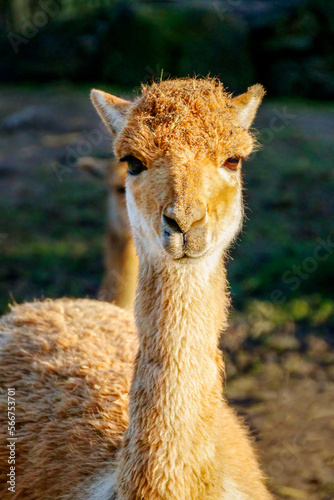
pixel 70 362
pixel 182 442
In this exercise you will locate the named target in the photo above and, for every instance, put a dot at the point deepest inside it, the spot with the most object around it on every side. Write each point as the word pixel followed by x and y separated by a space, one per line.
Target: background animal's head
pixel 184 142
pixel 113 174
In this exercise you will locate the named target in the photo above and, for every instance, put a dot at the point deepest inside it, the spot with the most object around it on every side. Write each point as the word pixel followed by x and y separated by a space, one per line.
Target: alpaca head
pixel 183 142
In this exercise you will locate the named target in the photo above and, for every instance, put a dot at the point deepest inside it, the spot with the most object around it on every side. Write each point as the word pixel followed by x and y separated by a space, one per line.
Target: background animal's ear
pixel 111 109
pixel 97 167
pixel 247 104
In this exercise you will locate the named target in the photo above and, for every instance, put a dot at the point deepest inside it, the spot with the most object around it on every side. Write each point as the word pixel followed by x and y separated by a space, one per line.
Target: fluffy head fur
pixel 177 117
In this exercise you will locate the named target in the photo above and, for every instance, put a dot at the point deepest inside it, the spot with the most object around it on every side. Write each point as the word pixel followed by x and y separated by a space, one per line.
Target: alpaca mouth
pixel 185 246
pixel 190 258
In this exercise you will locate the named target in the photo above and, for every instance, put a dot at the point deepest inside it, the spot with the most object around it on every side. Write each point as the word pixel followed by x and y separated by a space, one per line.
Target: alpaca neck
pixel 169 448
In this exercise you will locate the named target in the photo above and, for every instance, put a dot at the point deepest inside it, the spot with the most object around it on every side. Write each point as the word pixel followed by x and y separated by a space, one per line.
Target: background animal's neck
pixel 169 448
pixel 120 283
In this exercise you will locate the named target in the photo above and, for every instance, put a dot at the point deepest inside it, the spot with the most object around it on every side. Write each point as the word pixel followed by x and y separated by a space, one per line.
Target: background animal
pixel 120 260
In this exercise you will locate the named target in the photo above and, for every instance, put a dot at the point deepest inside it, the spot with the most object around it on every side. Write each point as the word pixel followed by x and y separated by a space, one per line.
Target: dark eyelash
pixel 126 158
pixel 135 166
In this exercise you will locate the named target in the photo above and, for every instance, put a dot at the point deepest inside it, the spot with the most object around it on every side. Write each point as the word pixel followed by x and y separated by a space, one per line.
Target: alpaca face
pixel 183 142
pixel 184 207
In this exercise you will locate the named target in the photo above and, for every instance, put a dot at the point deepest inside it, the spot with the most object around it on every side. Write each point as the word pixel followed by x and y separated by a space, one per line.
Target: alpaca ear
pixel 111 109
pixel 247 104
pixel 96 167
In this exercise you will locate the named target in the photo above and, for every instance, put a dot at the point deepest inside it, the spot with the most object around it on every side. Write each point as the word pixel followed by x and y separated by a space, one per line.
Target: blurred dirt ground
pixel 284 387
pixel 280 372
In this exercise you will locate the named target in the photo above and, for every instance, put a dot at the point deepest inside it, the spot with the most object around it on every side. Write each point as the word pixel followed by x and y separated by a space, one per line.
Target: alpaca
pixel 71 361
pixel 119 283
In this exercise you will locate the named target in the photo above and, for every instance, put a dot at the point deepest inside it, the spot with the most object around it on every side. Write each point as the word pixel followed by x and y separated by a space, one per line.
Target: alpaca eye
pixel 135 166
pixel 232 162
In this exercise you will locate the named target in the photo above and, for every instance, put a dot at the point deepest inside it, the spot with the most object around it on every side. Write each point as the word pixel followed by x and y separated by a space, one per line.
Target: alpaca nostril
pixel 172 224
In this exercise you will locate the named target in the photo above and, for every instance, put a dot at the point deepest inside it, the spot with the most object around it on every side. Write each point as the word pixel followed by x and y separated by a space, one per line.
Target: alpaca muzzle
pixel 184 233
